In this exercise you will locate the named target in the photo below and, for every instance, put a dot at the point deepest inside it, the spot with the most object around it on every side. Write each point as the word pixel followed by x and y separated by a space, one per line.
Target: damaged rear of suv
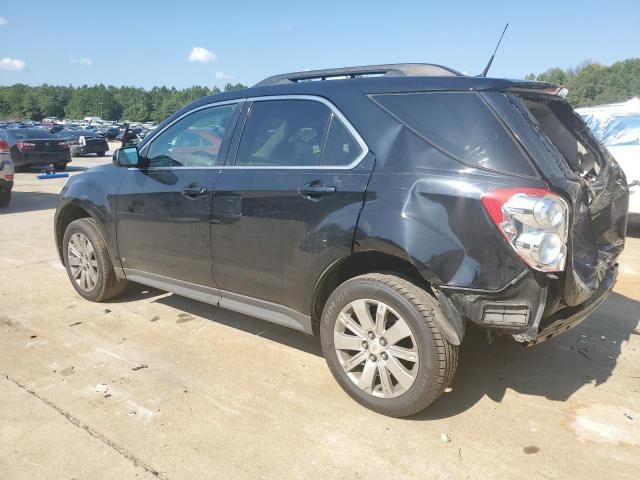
pixel 384 208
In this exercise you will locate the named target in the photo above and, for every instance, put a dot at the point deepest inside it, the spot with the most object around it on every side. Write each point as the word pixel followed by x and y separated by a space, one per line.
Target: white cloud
pixel 201 55
pixel 3 21
pixel 12 64
pixel 223 76
pixel 82 61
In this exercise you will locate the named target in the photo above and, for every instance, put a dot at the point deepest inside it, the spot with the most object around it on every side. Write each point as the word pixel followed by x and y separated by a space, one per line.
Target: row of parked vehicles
pixel 31 144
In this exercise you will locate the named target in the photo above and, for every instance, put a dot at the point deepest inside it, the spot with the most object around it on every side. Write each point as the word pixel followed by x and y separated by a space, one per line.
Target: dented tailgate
pixel 576 166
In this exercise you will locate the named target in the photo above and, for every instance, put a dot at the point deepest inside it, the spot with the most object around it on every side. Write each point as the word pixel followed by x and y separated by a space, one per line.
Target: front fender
pixel 91 194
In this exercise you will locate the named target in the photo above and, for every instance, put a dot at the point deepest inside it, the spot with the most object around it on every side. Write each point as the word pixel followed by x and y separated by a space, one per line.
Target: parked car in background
pixel 35 147
pixel 617 126
pixel 383 208
pixel 110 133
pixel 82 142
pixel 6 171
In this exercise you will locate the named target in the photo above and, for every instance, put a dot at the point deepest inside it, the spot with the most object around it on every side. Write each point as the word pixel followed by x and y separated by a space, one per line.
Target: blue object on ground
pixel 44 176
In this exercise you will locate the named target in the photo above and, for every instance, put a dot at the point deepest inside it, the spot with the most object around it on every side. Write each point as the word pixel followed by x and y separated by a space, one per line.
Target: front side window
pixel 193 141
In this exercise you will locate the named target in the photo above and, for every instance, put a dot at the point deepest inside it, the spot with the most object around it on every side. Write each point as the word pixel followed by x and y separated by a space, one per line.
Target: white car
pixel 617 126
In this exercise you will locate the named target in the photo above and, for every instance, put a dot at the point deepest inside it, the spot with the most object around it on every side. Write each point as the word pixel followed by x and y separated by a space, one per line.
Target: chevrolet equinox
pixel 384 208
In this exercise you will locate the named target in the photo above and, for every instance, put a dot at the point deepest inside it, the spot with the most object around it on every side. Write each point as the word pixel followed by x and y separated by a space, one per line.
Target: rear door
pixel 287 206
pixel 164 210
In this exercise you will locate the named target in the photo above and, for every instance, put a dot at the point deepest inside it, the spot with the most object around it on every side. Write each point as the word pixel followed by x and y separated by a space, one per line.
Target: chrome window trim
pixel 153 138
pixel 350 128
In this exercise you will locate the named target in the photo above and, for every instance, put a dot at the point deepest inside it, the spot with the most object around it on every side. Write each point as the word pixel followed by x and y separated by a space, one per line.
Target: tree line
pixel 588 84
pixel 24 102
pixel 594 84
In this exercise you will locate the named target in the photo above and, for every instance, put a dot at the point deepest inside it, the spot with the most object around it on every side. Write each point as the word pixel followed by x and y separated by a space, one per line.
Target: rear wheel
pixel 382 345
pixel 88 263
pixel 60 166
pixel 101 154
pixel 5 198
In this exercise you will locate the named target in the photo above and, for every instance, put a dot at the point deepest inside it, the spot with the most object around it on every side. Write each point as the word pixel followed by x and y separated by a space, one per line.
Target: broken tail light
pixel 534 222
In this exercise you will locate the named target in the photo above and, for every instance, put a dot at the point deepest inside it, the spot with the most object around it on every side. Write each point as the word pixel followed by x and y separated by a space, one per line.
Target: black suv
pixel 383 208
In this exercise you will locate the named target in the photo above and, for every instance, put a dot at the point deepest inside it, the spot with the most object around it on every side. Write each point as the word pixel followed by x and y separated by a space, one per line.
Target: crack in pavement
pixel 91 431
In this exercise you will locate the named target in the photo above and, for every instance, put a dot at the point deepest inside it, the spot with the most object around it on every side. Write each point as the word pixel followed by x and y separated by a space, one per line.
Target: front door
pixel 164 210
pixel 287 207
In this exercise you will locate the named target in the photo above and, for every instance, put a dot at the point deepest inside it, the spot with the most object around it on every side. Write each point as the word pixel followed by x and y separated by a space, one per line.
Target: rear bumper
pixel 35 159
pixel 569 317
pixel 84 149
pixel 528 309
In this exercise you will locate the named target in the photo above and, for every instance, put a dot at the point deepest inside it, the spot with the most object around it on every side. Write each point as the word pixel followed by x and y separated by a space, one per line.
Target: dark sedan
pixel 82 142
pixel 35 146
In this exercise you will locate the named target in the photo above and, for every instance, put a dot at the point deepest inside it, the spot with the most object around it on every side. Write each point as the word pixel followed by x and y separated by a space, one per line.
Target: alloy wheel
pixel 82 262
pixel 376 348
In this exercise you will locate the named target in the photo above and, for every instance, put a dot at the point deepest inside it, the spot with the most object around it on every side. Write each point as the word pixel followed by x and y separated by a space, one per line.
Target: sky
pixel 182 43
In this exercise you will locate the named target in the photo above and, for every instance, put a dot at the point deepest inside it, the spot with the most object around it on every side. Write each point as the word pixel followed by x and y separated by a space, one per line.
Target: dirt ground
pixel 155 385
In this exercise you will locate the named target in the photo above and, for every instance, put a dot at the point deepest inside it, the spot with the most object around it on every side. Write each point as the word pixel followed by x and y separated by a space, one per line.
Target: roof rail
pixel 387 70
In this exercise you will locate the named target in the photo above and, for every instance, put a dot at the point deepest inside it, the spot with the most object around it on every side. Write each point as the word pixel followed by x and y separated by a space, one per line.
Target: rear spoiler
pixel 539 87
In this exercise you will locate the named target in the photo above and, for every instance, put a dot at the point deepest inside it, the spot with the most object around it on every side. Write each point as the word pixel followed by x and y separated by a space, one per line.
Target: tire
pixel 101 154
pixel 5 198
pixel 59 167
pixel 106 284
pixel 435 359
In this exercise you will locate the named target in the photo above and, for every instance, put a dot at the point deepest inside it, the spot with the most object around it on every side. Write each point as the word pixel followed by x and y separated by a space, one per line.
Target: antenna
pixel 486 69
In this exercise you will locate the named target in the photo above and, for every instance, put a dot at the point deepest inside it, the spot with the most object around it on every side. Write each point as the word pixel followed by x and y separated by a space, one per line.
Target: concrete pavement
pixel 156 385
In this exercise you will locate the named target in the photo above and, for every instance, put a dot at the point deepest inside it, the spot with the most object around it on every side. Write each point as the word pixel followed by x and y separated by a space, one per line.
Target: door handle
pixel 193 191
pixel 316 189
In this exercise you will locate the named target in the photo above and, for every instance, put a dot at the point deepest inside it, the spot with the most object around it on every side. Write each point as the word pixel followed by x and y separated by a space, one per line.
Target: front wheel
pixel 88 263
pixel 101 154
pixel 382 345
pixel 60 166
pixel 5 198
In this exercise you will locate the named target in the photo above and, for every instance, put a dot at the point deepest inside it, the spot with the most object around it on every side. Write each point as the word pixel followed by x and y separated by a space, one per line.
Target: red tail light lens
pixel 63 145
pixel 25 145
pixel 534 222
pixel 4 146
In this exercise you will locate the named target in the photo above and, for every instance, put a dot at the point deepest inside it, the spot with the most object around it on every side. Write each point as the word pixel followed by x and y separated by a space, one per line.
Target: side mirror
pixel 126 157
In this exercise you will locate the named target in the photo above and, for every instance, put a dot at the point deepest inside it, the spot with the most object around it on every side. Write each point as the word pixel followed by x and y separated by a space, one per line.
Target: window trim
pixel 337 113
pixel 155 135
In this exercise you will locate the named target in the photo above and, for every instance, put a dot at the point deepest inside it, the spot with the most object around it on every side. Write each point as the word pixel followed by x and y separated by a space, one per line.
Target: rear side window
pixel 460 124
pixel 340 147
pixel 295 133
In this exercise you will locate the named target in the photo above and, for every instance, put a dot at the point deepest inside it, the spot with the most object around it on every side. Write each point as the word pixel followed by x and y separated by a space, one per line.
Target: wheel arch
pixel 360 263
pixel 450 324
pixel 72 210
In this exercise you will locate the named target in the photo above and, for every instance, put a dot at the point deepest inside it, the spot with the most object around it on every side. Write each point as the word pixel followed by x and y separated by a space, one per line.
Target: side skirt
pixel 254 307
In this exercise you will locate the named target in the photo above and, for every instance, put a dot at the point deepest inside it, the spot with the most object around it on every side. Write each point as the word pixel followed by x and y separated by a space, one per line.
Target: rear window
pixel 30 133
pixel 461 125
